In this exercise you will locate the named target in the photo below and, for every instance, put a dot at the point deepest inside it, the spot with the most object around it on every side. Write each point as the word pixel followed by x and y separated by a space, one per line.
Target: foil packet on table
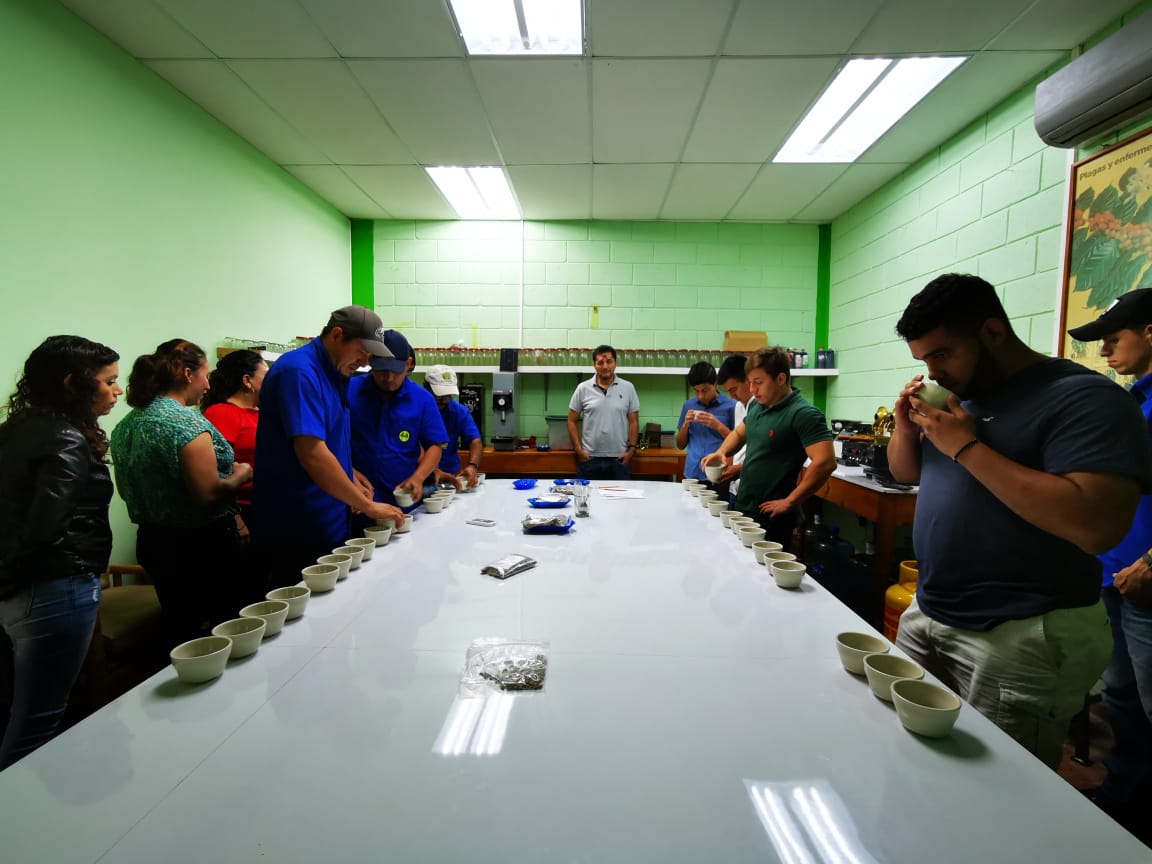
pixel 560 523
pixel 509 565
pixel 503 665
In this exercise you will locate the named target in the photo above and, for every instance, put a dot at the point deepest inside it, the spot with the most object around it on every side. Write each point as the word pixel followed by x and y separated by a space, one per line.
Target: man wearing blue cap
pixel 397 433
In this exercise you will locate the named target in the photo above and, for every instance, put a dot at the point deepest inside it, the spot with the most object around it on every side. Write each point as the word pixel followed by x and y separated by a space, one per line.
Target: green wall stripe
pixel 823 302
pixel 363 290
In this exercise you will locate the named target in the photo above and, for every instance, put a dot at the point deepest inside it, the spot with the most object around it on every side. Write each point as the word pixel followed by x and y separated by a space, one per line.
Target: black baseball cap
pixel 396 360
pixel 360 322
pixel 1131 311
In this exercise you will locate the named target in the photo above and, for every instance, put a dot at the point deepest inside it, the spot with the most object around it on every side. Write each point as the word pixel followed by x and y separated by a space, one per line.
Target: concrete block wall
pixel 579 284
pixel 989 201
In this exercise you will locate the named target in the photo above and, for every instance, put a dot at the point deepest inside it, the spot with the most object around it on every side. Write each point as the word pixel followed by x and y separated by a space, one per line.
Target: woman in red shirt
pixel 232 406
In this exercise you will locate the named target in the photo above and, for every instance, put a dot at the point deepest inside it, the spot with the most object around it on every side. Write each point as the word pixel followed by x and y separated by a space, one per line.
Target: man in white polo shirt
pixel 611 412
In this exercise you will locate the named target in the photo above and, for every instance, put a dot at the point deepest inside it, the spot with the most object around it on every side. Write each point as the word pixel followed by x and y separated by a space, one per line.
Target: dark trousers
pixel 202 575
pixel 603 468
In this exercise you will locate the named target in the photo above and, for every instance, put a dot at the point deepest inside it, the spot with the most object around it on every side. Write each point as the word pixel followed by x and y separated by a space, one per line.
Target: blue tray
pixel 548 505
pixel 526 483
pixel 551 529
pixel 575 481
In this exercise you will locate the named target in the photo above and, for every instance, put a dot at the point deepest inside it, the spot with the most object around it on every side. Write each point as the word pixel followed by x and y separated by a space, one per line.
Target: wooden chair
pixel 128 644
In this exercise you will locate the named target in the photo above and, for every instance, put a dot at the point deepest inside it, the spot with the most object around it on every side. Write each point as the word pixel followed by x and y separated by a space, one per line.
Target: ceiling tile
pixel 139 27
pixel 553 191
pixel 538 108
pixel 1059 24
pixel 976 87
pixel 850 188
pixel 629 191
pixel 657 28
pixel 332 184
pixel 917 27
pixel 642 110
pixel 780 192
pixel 751 105
pixel 404 191
pixel 399 28
pixel 810 27
pixel 324 103
pixel 220 92
pixel 706 191
pixel 433 107
pixel 251 28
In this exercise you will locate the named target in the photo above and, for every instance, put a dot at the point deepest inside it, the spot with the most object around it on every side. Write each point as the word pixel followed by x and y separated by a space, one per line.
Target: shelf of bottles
pixel 630 361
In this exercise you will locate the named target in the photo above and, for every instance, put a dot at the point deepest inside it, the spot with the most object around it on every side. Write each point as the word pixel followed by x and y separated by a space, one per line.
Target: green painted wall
pixel 130 216
pixel 580 284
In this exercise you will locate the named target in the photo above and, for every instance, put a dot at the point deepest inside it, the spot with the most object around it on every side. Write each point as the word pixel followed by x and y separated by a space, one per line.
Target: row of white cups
pixel 922 707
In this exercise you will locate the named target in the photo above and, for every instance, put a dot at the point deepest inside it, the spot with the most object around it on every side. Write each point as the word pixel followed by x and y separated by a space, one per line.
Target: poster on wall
pixel 1109 247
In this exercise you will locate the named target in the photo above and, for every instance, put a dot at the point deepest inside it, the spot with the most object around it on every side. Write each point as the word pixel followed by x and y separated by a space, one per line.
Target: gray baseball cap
pixel 360 322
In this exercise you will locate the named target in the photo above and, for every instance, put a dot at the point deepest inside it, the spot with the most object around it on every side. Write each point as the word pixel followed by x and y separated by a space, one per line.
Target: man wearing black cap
pixel 307 487
pixel 1125 334
pixel 1032 468
pixel 397 433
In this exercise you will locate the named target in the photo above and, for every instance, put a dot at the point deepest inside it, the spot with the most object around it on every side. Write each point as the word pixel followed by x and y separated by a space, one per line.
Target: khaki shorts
pixel 1028 676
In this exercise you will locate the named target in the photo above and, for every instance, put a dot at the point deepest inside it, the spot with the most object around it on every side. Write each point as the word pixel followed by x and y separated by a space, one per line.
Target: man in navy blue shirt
pixel 1033 467
pixel 306 489
pixel 397 433
pixel 1125 334
pixel 440 380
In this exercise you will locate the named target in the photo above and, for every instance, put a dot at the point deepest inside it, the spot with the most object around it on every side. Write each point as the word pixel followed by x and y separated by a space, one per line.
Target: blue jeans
pixel 1128 699
pixel 50 626
pixel 603 468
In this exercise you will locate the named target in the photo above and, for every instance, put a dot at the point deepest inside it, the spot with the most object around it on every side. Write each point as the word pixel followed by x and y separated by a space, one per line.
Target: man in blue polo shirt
pixel 705 421
pixel 303 498
pixel 462 432
pixel 397 433
pixel 1125 334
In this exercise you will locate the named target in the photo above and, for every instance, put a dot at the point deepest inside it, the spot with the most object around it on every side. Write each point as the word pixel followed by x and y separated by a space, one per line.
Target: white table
pixel 684 689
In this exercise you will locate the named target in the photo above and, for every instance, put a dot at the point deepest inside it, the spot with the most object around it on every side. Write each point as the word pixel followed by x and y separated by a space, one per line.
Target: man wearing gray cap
pixel 1125 333
pixel 307 488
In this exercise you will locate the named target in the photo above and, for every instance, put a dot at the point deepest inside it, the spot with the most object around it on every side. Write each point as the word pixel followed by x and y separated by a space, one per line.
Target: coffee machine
pixel 504 410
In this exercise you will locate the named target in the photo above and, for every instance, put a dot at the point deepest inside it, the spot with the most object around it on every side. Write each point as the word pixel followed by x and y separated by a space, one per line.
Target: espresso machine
pixel 503 411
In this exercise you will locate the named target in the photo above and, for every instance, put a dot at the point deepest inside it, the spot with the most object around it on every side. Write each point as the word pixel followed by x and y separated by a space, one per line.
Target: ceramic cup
pixel 763 547
pixel 245 634
pixel 274 613
pixel 787 574
pixel 201 659
pixel 296 596
pixel 365 543
pixel 320 578
pixel 925 708
pixel 403 497
pixel 380 535
pixel 353 552
pixel 778 555
pixel 883 670
pixel 854 647
pixel 749 534
pixel 344 562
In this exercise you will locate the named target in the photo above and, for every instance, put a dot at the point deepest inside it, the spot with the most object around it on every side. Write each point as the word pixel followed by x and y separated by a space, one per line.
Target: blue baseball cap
pixel 398 361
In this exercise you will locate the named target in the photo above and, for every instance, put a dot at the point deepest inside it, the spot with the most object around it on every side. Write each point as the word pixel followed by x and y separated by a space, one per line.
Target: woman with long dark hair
pixel 232 405
pixel 179 479
pixel 54 533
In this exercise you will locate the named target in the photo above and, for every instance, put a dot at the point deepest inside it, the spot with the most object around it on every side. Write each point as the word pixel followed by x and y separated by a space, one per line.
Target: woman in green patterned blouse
pixel 177 475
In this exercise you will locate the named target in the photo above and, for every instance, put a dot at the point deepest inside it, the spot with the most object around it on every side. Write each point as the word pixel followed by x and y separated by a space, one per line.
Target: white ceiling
pixel 673 114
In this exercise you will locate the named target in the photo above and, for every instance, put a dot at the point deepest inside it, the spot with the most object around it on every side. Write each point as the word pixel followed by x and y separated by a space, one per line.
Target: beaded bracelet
pixel 956 455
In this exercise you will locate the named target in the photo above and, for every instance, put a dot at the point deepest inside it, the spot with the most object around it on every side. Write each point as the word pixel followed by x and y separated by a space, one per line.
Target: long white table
pixel 692 711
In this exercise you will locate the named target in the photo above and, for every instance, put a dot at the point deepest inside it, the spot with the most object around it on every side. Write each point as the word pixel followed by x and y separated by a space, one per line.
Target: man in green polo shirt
pixel 781 431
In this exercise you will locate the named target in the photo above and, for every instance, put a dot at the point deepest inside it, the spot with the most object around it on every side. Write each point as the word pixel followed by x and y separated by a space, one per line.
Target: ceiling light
pixel 480 192
pixel 520 26
pixel 861 104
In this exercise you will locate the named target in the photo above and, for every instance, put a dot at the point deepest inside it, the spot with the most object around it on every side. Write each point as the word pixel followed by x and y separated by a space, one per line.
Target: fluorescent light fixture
pixel 479 192
pixel 861 104
pixel 520 26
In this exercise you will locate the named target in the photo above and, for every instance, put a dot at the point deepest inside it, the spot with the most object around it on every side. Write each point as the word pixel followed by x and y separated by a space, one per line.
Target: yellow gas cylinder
pixel 899 597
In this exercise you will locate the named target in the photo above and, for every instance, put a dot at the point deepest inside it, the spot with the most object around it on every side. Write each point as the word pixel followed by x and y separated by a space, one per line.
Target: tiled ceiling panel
pixel 642 110
pixel 899 26
pixel 810 27
pixel 538 108
pixel 432 106
pixel 780 192
pixel 706 191
pixel 751 106
pixel 397 28
pixel 629 191
pixel 403 190
pixel 332 184
pixel 323 100
pixel 553 191
pixel 139 27
pixel 220 92
pixel 657 28
pixel 251 28
pixel 851 186
pixel 1057 24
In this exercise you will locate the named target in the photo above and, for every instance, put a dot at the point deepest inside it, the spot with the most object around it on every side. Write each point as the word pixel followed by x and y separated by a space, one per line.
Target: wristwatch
pixel 475 465
pixel 1147 559
pixel 631 447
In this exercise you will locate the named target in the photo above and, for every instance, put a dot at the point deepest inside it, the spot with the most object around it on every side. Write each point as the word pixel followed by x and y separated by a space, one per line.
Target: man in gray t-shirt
pixel 611 412
pixel 1031 467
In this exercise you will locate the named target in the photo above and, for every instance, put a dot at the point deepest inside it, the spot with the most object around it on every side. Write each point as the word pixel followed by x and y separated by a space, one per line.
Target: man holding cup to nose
pixel 705 421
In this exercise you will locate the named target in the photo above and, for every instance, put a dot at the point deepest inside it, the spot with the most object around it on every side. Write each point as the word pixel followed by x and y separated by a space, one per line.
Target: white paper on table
pixel 619 493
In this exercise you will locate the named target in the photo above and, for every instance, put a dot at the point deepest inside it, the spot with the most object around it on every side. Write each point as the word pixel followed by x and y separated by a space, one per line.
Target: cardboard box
pixel 739 341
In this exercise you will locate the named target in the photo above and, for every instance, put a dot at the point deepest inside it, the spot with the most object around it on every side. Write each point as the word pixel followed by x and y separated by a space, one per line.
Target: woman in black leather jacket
pixel 54 533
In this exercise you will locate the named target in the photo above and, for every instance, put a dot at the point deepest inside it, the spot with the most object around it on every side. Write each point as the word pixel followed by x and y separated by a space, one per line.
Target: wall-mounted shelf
pixel 624 371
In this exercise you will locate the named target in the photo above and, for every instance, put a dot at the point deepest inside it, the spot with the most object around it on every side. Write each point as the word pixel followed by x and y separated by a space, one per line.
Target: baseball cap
pixel 442 380
pixel 359 322
pixel 1129 311
pixel 398 352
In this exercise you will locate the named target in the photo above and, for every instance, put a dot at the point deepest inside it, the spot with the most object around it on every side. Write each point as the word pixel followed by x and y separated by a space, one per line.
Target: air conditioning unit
pixel 1099 90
